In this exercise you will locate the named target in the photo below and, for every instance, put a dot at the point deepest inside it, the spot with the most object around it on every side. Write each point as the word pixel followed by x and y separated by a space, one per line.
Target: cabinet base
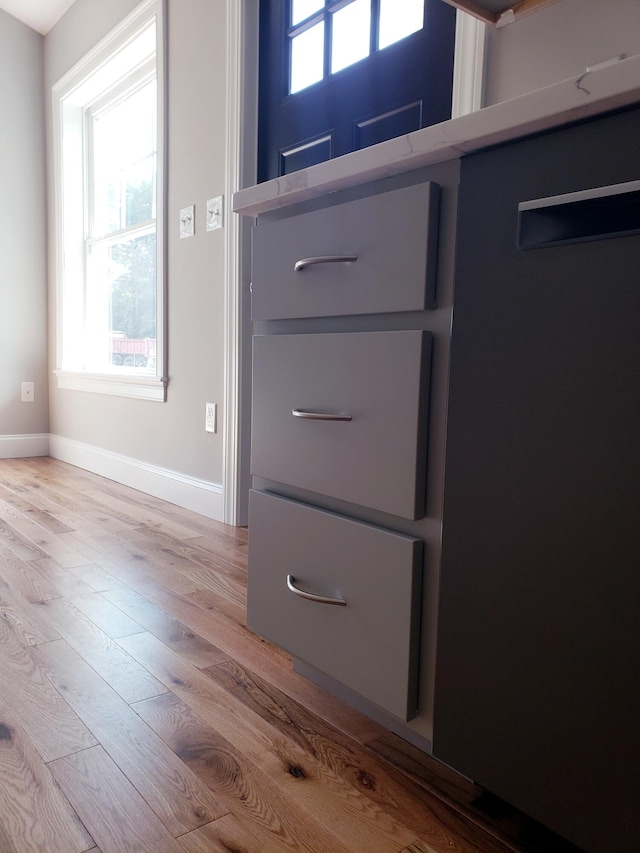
pixel 355 701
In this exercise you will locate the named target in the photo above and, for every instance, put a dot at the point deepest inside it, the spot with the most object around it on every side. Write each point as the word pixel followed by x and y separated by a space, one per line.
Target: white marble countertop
pixel 597 90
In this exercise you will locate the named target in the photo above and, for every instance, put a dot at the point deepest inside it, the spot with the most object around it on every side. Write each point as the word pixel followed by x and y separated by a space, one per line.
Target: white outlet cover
pixel 27 392
pixel 215 213
pixel 187 221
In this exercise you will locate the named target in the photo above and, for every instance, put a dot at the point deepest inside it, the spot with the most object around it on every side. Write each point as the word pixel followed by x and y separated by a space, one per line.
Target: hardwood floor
pixel 137 712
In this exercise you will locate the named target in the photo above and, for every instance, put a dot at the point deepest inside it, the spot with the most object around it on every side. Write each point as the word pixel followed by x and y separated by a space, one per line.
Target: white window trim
pixel 108 383
pixel 139 386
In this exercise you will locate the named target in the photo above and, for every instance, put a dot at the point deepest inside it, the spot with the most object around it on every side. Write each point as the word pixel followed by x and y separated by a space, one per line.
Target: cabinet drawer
pixel 379 380
pixel 393 235
pixel 371 643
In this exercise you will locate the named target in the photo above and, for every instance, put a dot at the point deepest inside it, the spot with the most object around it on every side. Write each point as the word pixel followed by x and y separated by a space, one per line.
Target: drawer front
pixel 377 379
pixel 393 235
pixel 371 643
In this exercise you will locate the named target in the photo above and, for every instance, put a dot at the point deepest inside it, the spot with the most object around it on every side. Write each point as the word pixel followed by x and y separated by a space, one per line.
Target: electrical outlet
pixel 210 422
pixel 27 394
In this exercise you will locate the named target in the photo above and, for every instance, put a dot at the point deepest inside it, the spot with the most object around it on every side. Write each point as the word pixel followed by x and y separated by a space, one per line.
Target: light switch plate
pixel 211 417
pixel 187 221
pixel 215 213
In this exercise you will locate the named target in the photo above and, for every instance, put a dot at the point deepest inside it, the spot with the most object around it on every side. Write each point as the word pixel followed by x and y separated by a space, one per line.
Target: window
pixel 108 114
pixel 339 75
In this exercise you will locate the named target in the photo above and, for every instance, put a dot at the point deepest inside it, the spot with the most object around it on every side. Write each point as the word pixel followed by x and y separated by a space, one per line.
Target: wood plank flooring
pixel 139 715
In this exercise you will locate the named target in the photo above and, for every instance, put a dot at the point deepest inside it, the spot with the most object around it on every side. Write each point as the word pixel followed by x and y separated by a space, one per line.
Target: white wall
pixel 165 435
pixel 558 42
pixel 23 295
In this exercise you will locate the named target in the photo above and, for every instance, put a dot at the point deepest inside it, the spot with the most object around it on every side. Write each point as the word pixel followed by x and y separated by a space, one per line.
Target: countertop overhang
pixel 597 90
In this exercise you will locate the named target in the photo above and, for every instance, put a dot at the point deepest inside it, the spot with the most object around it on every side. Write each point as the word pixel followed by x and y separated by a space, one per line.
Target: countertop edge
pixel 595 91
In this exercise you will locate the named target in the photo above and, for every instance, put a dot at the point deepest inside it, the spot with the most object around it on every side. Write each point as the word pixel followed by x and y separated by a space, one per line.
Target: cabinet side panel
pixel 537 695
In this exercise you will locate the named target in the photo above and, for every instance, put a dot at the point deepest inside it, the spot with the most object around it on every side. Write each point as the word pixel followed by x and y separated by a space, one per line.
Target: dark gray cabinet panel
pixel 537 689
pixel 392 234
pixel 370 643
pixel 379 380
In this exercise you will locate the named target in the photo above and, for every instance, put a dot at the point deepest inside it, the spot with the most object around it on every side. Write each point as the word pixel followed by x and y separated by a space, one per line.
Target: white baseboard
pixel 189 492
pixel 20 446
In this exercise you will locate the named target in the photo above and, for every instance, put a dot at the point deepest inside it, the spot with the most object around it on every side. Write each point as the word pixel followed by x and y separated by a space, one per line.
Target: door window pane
pixel 398 19
pixel 301 9
pixel 307 58
pixel 351 34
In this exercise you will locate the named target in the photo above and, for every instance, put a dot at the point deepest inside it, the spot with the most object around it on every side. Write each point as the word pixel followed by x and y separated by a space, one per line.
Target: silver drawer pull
pixel 324 259
pixel 320 599
pixel 320 416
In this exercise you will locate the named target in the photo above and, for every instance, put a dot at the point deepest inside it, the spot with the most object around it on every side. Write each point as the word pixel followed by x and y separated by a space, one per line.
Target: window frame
pixel 72 140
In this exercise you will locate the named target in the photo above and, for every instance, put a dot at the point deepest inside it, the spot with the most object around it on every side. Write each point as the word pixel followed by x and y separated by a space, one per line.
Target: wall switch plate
pixel 210 422
pixel 27 392
pixel 215 217
pixel 187 221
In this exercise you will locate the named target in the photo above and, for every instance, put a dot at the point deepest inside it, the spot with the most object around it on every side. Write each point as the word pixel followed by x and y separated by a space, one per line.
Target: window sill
pixel 140 387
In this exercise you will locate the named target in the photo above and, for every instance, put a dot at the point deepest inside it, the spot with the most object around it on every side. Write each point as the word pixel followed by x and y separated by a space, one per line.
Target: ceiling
pixel 41 15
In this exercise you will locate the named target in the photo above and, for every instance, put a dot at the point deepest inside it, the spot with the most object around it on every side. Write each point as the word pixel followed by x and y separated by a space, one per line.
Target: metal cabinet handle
pixel 320 599
pixel 324 259
pixel 320 416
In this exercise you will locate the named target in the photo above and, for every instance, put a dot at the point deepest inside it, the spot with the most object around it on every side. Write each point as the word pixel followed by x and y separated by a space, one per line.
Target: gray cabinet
pixel 513 542
pixel 341 416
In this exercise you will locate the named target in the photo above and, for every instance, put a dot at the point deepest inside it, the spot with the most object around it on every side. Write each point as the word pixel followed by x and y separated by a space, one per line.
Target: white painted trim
pixel 189 492
pixel 241 171
pixel 469 65
pixel 120 386
pixel 58 233
pixel 21 446
pixel 230 467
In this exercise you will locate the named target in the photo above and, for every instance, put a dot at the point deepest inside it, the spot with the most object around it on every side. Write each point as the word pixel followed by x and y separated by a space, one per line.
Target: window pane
pixel 301 9
pixel 307 58
pixel 121 303
pixel 124 166
pixel 398 19
pixel 351 34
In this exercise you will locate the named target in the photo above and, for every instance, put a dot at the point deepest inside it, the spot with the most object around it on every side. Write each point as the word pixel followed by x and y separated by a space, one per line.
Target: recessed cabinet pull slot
pixel 324 259
pixel 595 214
pixel 320 599
pixel 320 416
